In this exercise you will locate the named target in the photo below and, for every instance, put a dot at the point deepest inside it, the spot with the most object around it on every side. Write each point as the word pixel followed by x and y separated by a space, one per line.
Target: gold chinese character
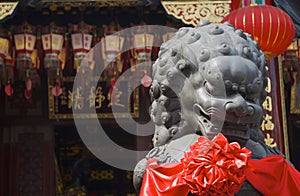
pixel 114 97
pixel 269 141
pixel 267 68
pixel 78 98
pixel 99 97
pixel 268 87
pixel 92 97
pixel 267 123
pixel 131 194
pixel 267 105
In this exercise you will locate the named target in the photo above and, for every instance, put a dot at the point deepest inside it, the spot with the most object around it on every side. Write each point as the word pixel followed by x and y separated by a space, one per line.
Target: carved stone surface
pixel 208 79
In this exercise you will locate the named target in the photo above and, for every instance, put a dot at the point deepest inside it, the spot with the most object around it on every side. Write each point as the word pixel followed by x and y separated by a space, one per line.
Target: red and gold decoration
pixel 271 27
pixel 194 11
pixel 6 62
pixel 27 62
pixel 216 167
pixel 54 60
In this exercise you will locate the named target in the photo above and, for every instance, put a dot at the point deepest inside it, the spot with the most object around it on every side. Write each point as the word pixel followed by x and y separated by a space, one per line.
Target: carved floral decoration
pixel 7 8
pixel 192 12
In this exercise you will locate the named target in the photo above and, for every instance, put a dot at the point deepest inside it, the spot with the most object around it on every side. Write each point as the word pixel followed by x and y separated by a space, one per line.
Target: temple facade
pixel 75 85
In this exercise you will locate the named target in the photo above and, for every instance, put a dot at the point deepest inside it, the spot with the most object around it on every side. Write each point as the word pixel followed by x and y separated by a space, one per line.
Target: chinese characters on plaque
pixel 267 125
pixel 100 98
pixel 274 120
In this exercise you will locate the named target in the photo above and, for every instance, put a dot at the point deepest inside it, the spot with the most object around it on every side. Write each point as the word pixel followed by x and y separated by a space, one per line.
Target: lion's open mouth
pixel 237 126
pixel 210 125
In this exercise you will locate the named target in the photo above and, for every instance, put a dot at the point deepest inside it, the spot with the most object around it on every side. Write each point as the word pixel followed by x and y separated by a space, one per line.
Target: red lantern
pixel 271 27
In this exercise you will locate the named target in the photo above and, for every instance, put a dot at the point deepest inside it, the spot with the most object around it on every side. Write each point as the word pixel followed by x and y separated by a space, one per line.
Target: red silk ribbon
pixel 273 175
pixel 219 168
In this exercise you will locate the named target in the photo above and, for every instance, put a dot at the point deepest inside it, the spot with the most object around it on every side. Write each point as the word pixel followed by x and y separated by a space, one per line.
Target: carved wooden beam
pixel 193 12
pixel 7 9
pixel 91 3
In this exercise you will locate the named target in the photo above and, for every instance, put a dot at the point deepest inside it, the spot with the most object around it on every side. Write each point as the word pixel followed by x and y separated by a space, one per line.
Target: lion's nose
pixel 238 107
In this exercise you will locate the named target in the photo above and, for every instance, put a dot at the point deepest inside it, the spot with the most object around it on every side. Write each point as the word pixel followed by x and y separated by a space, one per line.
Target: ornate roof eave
pixel 89 3
pixel 7 9
pixel 194 11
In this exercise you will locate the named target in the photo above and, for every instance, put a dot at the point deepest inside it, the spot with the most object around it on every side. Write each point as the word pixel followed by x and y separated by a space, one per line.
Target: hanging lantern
pixel 112 45
pixel 9 68
pixel 5 76
pixel 82 37
pixel 3 49
pixel 271 27
pixel 27 58
pixel 54 61
pixel 143 43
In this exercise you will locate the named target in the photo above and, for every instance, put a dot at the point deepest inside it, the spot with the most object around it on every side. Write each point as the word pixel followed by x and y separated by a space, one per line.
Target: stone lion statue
pixel 206 80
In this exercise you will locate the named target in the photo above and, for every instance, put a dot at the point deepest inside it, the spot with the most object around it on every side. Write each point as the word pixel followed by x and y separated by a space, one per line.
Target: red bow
pixel 219 168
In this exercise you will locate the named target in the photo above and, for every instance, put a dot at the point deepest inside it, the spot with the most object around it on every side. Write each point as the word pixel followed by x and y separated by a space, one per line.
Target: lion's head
pixel 209 79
